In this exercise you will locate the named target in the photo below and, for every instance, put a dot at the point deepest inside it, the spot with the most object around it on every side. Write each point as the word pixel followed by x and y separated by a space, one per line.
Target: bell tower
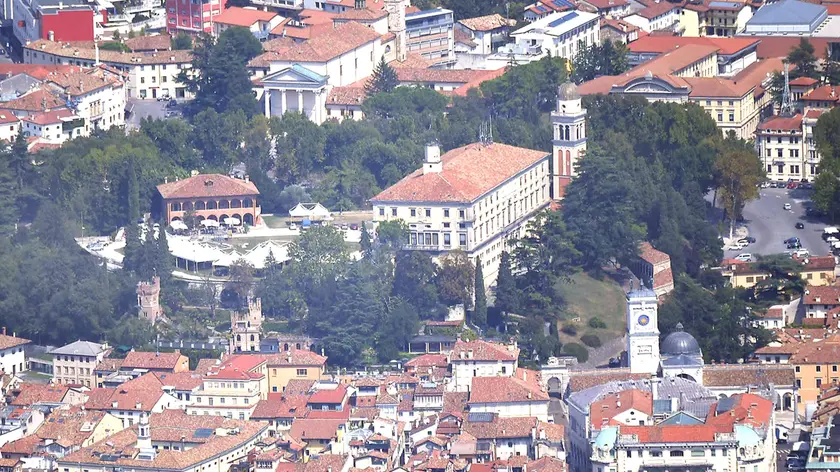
pixel 148 300
pixel 396 25
pixel 569 143
pixel 643 331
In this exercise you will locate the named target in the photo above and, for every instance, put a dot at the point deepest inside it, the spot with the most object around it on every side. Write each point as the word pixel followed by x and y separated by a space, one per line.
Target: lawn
pixel 587 298
pixel 273 221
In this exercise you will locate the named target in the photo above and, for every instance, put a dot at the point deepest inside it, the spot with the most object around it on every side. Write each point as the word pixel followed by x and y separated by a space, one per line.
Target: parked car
pixel 791 240
pixel 748 240
pixel 802 253
pixel 737 246
pixel 799 225
pixel 354 226
pixel 787 206
pixel 172 103
pixel 744 257
pixel 795 245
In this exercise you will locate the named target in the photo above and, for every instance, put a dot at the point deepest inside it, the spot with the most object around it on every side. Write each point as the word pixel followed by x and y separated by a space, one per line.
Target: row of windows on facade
pixel 432 239
pixel 818 383
pixel 780 152
pixel 72 371
pixel 226 414
pixel 794 169
pixel 818 368
pixel 120 68
pixel 73 358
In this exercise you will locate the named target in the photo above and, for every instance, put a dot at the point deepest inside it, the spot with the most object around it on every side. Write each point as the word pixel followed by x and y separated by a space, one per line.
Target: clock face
pixel 644 320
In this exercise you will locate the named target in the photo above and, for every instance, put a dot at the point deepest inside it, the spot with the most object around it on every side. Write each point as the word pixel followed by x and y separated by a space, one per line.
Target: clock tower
pixel 642 331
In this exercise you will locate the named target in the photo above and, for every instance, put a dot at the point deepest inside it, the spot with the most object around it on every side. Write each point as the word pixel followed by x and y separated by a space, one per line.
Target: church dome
pixel 567 91
pixel 679 343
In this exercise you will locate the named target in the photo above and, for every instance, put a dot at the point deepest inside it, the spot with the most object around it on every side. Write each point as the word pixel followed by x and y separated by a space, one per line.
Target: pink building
pixel 192 16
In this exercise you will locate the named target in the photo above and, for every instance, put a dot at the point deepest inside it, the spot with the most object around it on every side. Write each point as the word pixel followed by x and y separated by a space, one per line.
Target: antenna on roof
pixel 485 131
pixel 786 108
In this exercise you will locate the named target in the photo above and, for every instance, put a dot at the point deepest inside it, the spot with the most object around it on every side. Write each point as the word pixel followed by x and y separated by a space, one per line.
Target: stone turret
pixel 148 300
pixel 246 327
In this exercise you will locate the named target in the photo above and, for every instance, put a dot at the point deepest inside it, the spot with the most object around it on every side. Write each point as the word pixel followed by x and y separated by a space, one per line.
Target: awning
pixel 231 221
pixel 178 225
pixel 209 223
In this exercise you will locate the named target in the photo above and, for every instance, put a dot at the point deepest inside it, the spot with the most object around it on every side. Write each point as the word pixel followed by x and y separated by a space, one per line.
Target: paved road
pixel 149 108
pixel 770 224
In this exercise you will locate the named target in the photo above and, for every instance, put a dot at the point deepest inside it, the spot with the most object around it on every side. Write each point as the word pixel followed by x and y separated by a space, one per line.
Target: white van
pixel 831 231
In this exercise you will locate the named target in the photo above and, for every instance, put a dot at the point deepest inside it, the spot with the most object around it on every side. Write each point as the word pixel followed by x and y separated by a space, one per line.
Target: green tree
pixel 133 244
pixel 507 293
pixel 784 282
pixel 393 234
pixel 318 256
pixel 219 77
pixel 739 174
pixel 831 69
pixel 803 59
pixel 384 79
pixel 241 280
pixel 400 323
pixel 182 42
pixel 479 315
pixel 545 256
pixel 414 282
pixel 365 241
pixel 218 136
pixel 299 146
pixel 599 207
pixel 8 208
pixel 455 278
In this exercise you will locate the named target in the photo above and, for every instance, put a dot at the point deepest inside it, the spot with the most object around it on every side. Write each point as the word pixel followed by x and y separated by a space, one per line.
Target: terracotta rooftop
pixel 652 255
pixel 784 123
pixel 140 394
pixel 70 427
pixel 299 387
pixel 607 4
pixel 170 426
pixel 467 173
pixel 158 42
pixel 8 342
pixel 108 365
pixel 308 429
pixel 39 99
pixel 487 23
pixel 822 295
pixel 31 393
pixel 675 433
pixel 330 396
pixel 455 402
pixel 503 390
pixel 38 71
pixel 656 10
pixel 464 38
pixel 361 15
pixel 501 428
pixel 816 353
pixel 323 47
pixel 51 117
pixel 207 185
pixel 602 412
pixel 428 360
pixel 179 380
pixel 297 357
pixel 238 16
pixel 278 44
pixel 721 375
pixel 581 380
pixel 803 82
pixel 619 25
pixel 123 58
pixel 480 350
pixel 745 408
pixel 280 406
pixel 154 360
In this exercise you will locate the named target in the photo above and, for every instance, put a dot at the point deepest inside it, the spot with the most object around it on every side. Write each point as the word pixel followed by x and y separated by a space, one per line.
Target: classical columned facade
pixel 246 209
pixel 295 89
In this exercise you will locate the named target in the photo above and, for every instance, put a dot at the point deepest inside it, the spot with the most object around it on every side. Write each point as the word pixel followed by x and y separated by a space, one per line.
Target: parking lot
pixel 770 224
pixel 148 108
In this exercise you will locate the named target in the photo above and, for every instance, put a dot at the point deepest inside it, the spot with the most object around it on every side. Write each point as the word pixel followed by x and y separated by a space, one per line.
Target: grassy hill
pixel 587 298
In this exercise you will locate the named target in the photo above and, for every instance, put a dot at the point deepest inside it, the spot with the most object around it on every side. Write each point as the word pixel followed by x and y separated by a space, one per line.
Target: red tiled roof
pixel 503 390
pixel 816 353
pixel 780 46
pixel 660 44
pixel 723 375
pixel 297 357
pixel 428 360
pixel 813 114
pixel 826 93
pixel 602 412
pixel 241 367
pixel 49 117
pixel 663 278
pixel 747 408
pixel 467 173
pixel 278 44
pixel 656 9
pixel 179 380
pixel 246 17
pixel 619 25
pixel 479 350
pixel 463 37
pixel 159 42
pixel 818 263
pixel 140 394
pixel 488 22
pixel 581 380
pixel 323 47
pixel 361 15
pixel 333 396
pixel 280 406
pixel 501 428
pixel 785 123
pixel 37 100
pixel 7 342
pixel 652 255
pixel 675 433
pixel 7 117
pixel 207 185
pixel 306 429
pixel 31 393
pixel 822 295
pixel 803 81
pixel 154 360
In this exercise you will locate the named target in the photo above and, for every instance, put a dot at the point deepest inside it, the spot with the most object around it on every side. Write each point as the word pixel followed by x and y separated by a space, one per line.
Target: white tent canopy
pixel 231 221
pixel 178 225
pixel 312 211
pixel 209 223
pixel 193 251
pixel 257 256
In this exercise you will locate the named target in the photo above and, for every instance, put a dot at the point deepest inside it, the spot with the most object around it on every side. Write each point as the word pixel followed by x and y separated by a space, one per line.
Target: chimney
pixel 4 330
pixel 469 354
pixel 247 178
pixel 432 162
pixel 51 35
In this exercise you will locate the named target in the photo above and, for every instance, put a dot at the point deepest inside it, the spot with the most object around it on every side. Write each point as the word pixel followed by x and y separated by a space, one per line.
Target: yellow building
pixel 817 364
pixel 322 436
pixel 690 72
pixel 232 389
pixel 294 364
pixel 817 271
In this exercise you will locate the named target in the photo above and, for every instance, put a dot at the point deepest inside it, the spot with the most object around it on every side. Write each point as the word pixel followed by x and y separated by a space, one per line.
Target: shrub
pixel 596 323
pixel 577 350
pixel 591 340
pixel 570 329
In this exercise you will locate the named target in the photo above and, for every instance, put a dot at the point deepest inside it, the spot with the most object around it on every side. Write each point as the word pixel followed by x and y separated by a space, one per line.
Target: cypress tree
pixel 480 311
pixel 365 241
pixel 506 291
pixel 384 79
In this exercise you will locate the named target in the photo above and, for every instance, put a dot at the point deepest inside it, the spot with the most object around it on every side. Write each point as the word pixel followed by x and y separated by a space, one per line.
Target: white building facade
pixel 559 34
pixel 642 332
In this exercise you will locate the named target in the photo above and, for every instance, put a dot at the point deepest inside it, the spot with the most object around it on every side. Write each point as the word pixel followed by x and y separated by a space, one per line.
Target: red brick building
pixel 211 196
